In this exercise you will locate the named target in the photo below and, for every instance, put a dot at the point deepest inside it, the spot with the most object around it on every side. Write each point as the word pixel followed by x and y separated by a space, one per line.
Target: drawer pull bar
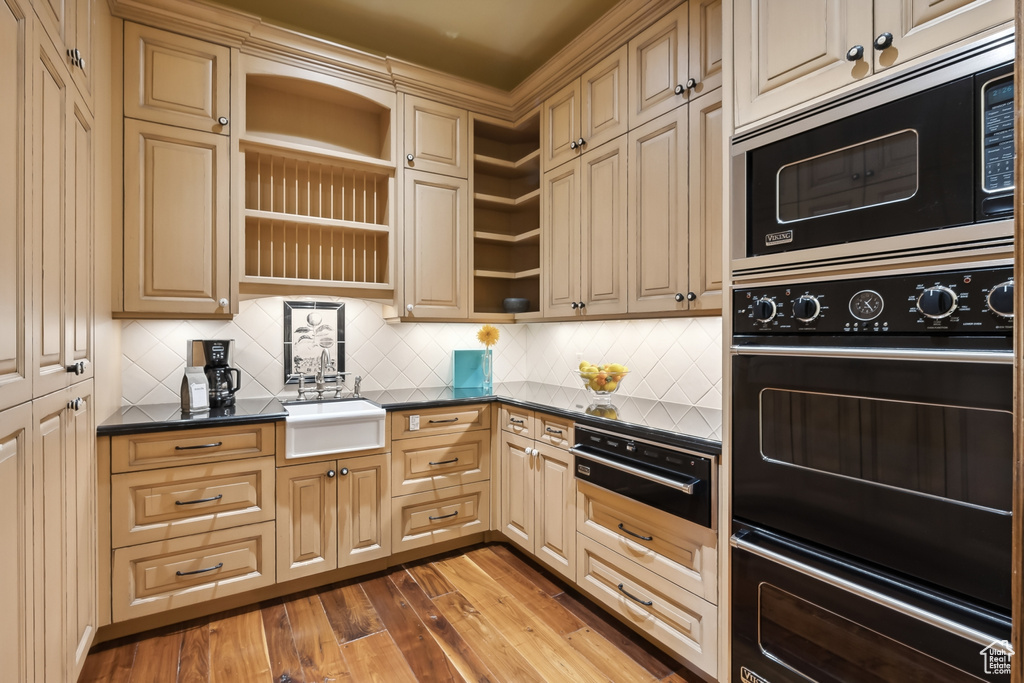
pixel 645 603
pixel 635 535
pixel 517 421
pixel 201 500
pixel 444 462
pixel 437 422
pixel 553 431
pixel 434 519
pixel 203 571
pixel 202 445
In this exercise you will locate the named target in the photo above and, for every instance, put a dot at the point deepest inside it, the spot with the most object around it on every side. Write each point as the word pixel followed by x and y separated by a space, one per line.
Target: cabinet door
pixel 517 490
pixel 706 256
pixel 706 40
pixel 560 126
pixel 15 257
pixel 658 215
pixel 603 232
pixel 364 509
pixel 176 80
pixel 81 561
pixel 176 232
pixel 80 49
pixel 791 51
pixel 16 569
pixel 436 246
pixel 307 513
pixel 79 241
pixel 658 64
pixel 605 100
pixel 921 26
pixel 560 241
pixel 555 510
pixel 436 135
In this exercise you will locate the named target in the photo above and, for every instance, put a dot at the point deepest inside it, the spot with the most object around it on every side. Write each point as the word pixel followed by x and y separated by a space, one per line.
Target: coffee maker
pixel 215 355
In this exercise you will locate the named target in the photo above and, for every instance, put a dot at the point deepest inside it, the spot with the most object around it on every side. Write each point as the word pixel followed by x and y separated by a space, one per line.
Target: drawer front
pixel 188 446
pixel 430 517
pixel 555 431
pixel 435 462
pixel 409 423
pixel 154 505
pixel 156 577
pixel 516 420
pixel 678 550
pixel 676 619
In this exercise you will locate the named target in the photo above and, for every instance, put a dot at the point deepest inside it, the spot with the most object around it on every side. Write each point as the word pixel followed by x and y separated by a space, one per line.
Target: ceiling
pixel 495 42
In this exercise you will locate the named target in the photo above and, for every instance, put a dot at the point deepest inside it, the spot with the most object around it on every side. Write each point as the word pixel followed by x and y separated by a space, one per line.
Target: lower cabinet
pixel 332 514
pixel 429 517
pixel 16 569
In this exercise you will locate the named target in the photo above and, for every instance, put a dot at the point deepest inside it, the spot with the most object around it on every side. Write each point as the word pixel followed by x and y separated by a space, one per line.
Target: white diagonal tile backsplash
pixel 672 359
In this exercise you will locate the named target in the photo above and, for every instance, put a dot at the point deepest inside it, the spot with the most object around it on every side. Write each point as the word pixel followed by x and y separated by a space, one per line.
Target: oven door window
pixel 871 173
pixel 949 452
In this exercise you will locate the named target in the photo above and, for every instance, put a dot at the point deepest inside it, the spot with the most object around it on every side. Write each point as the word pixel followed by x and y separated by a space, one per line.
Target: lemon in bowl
pixel 602 381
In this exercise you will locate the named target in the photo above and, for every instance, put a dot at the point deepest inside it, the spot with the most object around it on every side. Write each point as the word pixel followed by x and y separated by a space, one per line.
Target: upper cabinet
pixel 840 42
pixel 436 137
pixel 69 25
pixel 176 80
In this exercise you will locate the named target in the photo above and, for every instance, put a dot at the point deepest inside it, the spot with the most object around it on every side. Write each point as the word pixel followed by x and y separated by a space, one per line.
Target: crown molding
pixel 435 85
pixel 189 17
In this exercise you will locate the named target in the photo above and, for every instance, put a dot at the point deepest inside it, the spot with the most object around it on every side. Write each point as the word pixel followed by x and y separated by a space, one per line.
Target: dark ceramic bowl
pixel 515 305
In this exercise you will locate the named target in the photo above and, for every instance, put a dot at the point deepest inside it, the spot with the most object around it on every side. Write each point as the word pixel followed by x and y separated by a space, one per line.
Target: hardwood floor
pixel 486 614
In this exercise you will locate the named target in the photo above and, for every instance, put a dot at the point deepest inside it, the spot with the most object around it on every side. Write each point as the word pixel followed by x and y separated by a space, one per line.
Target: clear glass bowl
pixel 597 384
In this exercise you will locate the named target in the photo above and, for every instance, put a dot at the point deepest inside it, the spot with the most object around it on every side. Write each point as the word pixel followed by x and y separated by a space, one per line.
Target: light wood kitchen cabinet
pixel 840 42
pixel 587 112
pixel 176 221
pixel 332 514
pixel 176 80
pixel 436 137
pixel 17 570
pixel 705 199
pixel 442 420
pixel 428 463
pixel 430 517
pixel 68 23
pixel 583 233
pixel 436 248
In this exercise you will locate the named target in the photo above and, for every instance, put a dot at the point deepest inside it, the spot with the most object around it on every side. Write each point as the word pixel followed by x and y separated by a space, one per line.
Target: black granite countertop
pixel 168 416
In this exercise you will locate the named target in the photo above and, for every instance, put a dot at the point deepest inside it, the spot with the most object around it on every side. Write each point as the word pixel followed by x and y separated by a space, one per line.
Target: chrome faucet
pixel 321 377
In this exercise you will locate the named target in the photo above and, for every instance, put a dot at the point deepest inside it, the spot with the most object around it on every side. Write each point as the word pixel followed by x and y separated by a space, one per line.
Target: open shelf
pixel 523 202
pixel 507 275
pixel 528 237
pixel 503 168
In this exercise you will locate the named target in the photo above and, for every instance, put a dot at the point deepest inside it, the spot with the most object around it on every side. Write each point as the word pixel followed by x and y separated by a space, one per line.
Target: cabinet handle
pixel 883 41
pixel 223 302
pixel 517 421
pixel 77 368
pixel 553 431
pixel 75 404
pixel 330 474
pixel 634 535
pixel 408 307
pixel 574 305
pixel 223 120
pixel 679 297
pixel 344 471
pixel 582 305
pixel 201 500
pixel 691 83
pixel 573 145
pixel 201 571
pixel 680 89
pixel 581 142
pixel 444 462
pixel 437 422
pixel 645 603
pixel 202 445
pixel 432 518
pixel 855 53
pixel 409 158
pixel 690 296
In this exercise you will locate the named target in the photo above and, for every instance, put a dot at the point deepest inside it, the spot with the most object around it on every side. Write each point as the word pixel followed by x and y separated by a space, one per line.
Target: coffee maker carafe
pixel 215 356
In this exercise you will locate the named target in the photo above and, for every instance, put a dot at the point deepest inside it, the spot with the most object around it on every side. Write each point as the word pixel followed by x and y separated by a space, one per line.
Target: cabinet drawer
pixel 430 517
pixel 678 550
pixel 185 447
pixel 440 420
pixel 428 463
pixel 557 431
pixel 516 420
pixel 676 619
pixel 155 577
pixel 159 504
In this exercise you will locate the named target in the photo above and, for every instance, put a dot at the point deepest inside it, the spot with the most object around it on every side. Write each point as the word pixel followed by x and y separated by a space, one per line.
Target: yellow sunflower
pixel 488 335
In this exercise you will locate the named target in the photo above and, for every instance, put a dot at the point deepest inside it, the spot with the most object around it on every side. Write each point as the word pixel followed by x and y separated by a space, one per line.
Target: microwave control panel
pixel 961 302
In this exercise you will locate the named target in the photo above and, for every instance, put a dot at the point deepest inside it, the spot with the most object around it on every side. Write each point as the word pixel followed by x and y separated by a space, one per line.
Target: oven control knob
pixel 764 310
pixel 937 302
pixel 806 308
pixel 1000 299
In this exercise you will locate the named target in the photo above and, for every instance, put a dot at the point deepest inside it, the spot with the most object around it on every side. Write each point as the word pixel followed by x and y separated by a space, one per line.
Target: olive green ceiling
pixel 496 42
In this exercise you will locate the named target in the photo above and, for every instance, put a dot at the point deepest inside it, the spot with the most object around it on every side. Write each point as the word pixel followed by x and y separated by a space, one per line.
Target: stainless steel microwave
pixel 914 164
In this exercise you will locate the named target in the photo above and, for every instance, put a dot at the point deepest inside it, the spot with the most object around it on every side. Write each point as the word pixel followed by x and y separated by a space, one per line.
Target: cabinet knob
pixel 223 120
pixel 573 145
pixel 409 158
pixel 581 142
pixel 582 305
pixel 344 471
pixel 77 368
pixel 330 474
pixel 690 296
pixel 408 307
pixel 574 305
pixel 855 53
pixel 223 302
pixel 679 297
pixel 75 404
pixel 691 83
pixel 680 89
pixel 883 41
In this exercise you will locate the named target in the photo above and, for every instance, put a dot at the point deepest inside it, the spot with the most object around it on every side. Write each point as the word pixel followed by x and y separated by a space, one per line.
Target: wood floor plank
pixel 156 659
pixel 430 580
pixel 112 665
pixel 315 642
pixel 424 656
pixel 194 666
pixel 285 666
pixel 515 560
pixel 463 658
pixel 238 649
pixel 608 658
pixel 502 657
pixel 350 612
pixel 377 658
pixel 472 581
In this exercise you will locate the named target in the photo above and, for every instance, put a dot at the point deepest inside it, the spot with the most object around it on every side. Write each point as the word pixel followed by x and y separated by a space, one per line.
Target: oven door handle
pixel 684 487
pixel 875 353
pixel 909 610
